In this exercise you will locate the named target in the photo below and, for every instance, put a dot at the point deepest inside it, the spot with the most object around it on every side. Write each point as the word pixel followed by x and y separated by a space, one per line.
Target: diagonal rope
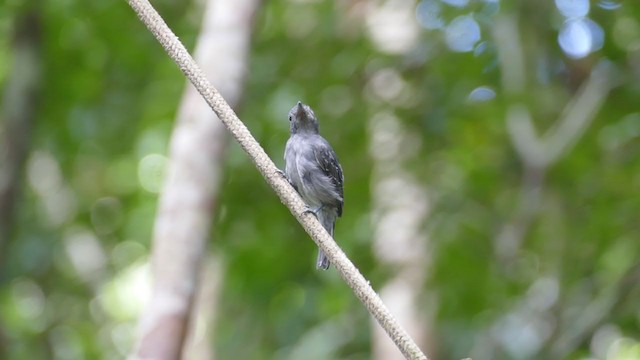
pixel 281 186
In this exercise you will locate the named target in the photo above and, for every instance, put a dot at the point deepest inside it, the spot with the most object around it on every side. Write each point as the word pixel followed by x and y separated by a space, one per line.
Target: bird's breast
pixel 299 168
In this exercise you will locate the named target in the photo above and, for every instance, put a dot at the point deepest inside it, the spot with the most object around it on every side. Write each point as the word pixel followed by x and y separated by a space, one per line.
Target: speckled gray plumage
pixel 313 169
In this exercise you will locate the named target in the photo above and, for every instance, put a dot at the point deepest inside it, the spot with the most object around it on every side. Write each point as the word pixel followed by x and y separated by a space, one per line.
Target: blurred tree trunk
pixel 19 104
pixel 19 107
pixel 399 201
pixel 186 204
pixel 539 153
pixel 400 206
pixel 203 317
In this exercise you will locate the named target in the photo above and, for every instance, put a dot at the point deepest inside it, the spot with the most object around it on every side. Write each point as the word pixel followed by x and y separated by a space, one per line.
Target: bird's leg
pixel 309 210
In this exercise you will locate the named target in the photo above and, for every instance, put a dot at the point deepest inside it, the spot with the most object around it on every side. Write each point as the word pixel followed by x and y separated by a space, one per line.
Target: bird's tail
pixel 328 221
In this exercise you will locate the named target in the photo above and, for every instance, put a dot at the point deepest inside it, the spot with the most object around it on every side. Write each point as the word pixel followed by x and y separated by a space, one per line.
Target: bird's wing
pixel 330 166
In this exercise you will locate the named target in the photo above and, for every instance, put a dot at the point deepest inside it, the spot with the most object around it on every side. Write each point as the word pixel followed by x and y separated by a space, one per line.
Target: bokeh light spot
pixel 151 171
pixel 462 34
pixel 575 38
pixel 573 8
pixel 481 94
pixel 106 215
pixel 428 14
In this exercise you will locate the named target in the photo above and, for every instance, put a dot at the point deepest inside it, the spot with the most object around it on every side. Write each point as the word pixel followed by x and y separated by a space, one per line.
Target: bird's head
pixel 302 119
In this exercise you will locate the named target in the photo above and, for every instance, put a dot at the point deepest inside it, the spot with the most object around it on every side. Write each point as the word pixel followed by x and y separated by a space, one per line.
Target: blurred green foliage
pixel 75 275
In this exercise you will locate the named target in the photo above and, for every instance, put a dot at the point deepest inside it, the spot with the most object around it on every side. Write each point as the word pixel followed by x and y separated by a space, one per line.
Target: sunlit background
pixel 491 159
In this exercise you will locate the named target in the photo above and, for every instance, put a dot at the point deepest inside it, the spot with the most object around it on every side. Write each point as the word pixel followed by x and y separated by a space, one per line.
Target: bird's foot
pixel 281 173
pixel 308 210
pixel 284 176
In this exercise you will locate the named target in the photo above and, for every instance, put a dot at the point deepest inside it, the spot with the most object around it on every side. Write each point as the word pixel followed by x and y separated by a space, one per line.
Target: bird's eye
pixel 290 118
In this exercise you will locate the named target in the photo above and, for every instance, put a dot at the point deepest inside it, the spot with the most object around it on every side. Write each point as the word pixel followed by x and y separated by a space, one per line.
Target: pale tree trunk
pixel 186 205
pixel 400 205
pixel 17 117
pixel 399 201
pixel 198 346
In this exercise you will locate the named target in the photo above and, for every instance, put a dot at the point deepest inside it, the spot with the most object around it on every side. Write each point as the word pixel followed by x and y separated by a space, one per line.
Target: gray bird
pixel 313 169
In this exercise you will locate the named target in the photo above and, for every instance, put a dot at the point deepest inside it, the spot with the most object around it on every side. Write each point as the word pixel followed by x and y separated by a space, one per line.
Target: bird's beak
pixel 300 109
